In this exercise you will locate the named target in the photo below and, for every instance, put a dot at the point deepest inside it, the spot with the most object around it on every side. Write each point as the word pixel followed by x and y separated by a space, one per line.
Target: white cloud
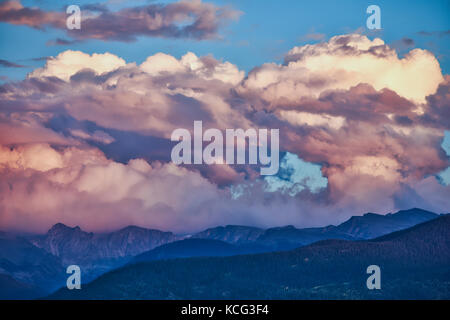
pixel 304 118
pixel 341 63
pixel 69 62
pixel 206 67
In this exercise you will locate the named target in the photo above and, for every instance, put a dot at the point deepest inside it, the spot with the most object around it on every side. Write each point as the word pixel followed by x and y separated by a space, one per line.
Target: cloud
pixel 60 42
pixel 156 97
pixel 27 127
pixel 184 19
pixel 408 41
pixel 341 63
pixel 438 111
pixel 69 62
pixel 97 136
pixel 362 130
pixel 9 64
pixel 80 186
pixel 15 13
pixel 434 33
pixel 26 157
pixel 316 36
pixel 303 118
pixel 403 44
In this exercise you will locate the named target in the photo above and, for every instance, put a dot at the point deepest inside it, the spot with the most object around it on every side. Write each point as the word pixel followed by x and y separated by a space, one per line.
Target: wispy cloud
pixel 184 19
pixel 60 42
pixel 9 64
pixel 434 33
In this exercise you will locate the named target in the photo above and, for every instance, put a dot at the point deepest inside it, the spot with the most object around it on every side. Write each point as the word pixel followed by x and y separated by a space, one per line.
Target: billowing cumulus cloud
pixel 156 97
pixel 80 186
pixel 360 130
pixel 341 63
pixel 69 62
pixel 184 19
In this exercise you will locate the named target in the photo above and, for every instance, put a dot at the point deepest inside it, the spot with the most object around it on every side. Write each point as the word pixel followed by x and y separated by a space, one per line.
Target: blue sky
pixel 265 31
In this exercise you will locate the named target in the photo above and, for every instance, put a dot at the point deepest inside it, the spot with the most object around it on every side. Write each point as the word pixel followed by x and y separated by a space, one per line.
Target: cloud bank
pixel 85 139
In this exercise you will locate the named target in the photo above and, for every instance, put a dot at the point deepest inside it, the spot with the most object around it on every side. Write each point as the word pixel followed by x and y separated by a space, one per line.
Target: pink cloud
pixel 378 142
pixel 184 19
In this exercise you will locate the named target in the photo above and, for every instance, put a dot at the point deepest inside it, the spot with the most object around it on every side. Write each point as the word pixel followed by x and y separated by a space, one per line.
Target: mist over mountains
pixel 34 266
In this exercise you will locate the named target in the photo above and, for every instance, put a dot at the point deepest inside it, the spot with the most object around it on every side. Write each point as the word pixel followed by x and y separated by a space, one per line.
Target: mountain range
pixel 414 264
pixel 98 253
pixel 38 262
pixel 368 226
pixel 28 265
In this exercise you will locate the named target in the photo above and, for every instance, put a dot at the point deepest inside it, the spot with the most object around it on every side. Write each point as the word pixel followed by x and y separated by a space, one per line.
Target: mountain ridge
pixel 97 253
pixel 414 265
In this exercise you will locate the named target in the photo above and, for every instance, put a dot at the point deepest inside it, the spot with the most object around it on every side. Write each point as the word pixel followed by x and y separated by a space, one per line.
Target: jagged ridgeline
pixel 35 265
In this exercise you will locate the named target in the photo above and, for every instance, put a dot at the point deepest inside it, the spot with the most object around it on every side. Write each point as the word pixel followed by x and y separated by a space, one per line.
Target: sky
pixel 263 33
pixel 86 115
